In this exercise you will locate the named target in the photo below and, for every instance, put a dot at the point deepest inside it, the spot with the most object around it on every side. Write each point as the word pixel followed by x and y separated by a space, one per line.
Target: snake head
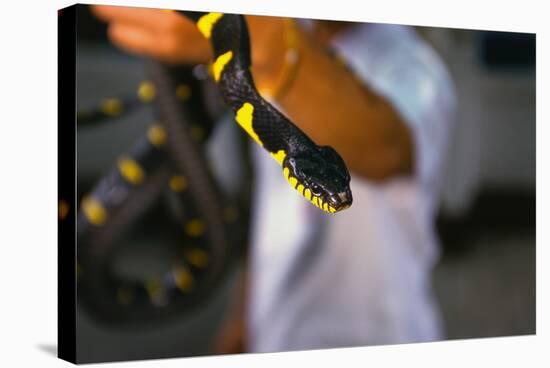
pixel 321 177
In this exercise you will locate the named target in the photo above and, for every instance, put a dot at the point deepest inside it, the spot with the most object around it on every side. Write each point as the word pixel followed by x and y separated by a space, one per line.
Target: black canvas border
pixel 66 185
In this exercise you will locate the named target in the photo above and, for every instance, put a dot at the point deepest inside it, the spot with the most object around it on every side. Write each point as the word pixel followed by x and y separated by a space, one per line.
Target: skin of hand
pixel 339 110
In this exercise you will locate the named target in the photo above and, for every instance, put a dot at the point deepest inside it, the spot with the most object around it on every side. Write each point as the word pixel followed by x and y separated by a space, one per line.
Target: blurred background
pixel 485 281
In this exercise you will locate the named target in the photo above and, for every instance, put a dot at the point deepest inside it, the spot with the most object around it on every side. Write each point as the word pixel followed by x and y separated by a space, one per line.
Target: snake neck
pixel 229 37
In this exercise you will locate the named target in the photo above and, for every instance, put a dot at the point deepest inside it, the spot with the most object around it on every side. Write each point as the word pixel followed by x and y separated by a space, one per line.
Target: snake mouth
pixel 340 201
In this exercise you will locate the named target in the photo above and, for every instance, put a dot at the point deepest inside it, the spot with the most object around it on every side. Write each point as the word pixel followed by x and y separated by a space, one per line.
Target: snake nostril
pixel 344 197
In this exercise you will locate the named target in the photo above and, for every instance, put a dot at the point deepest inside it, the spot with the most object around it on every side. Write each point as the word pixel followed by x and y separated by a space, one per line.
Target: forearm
pixel 333 108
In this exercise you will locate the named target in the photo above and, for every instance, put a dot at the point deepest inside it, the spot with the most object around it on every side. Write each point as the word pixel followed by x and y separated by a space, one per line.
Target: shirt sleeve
pixel 396 63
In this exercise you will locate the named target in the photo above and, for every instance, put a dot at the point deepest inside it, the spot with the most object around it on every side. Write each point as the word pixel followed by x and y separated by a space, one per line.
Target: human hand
pixel 157 33
pixel 173 38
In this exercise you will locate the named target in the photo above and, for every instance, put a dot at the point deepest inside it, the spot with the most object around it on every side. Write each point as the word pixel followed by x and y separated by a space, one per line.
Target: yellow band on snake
pixel 130 170
pixel 206 23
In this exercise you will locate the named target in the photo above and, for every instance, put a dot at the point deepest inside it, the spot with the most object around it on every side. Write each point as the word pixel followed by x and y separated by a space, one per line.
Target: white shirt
pixel 361 276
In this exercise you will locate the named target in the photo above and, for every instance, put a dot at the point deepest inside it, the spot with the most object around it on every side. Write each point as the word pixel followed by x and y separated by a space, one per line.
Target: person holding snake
pixel 384 103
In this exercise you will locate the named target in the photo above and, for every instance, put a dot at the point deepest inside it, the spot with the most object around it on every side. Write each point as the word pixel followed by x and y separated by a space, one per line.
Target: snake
pixel 318 173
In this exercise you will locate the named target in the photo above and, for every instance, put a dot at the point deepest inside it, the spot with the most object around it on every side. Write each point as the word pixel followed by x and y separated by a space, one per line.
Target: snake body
pixel 208 239
pixel 170 158
pixel 317 172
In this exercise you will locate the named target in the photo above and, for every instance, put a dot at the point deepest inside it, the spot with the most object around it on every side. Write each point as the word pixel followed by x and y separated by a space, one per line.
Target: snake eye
pixel 315 189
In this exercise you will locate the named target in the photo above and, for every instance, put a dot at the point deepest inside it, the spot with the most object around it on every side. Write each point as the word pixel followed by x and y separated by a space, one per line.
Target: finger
pixel 131 38
pixel 141 41
pixel 153 19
